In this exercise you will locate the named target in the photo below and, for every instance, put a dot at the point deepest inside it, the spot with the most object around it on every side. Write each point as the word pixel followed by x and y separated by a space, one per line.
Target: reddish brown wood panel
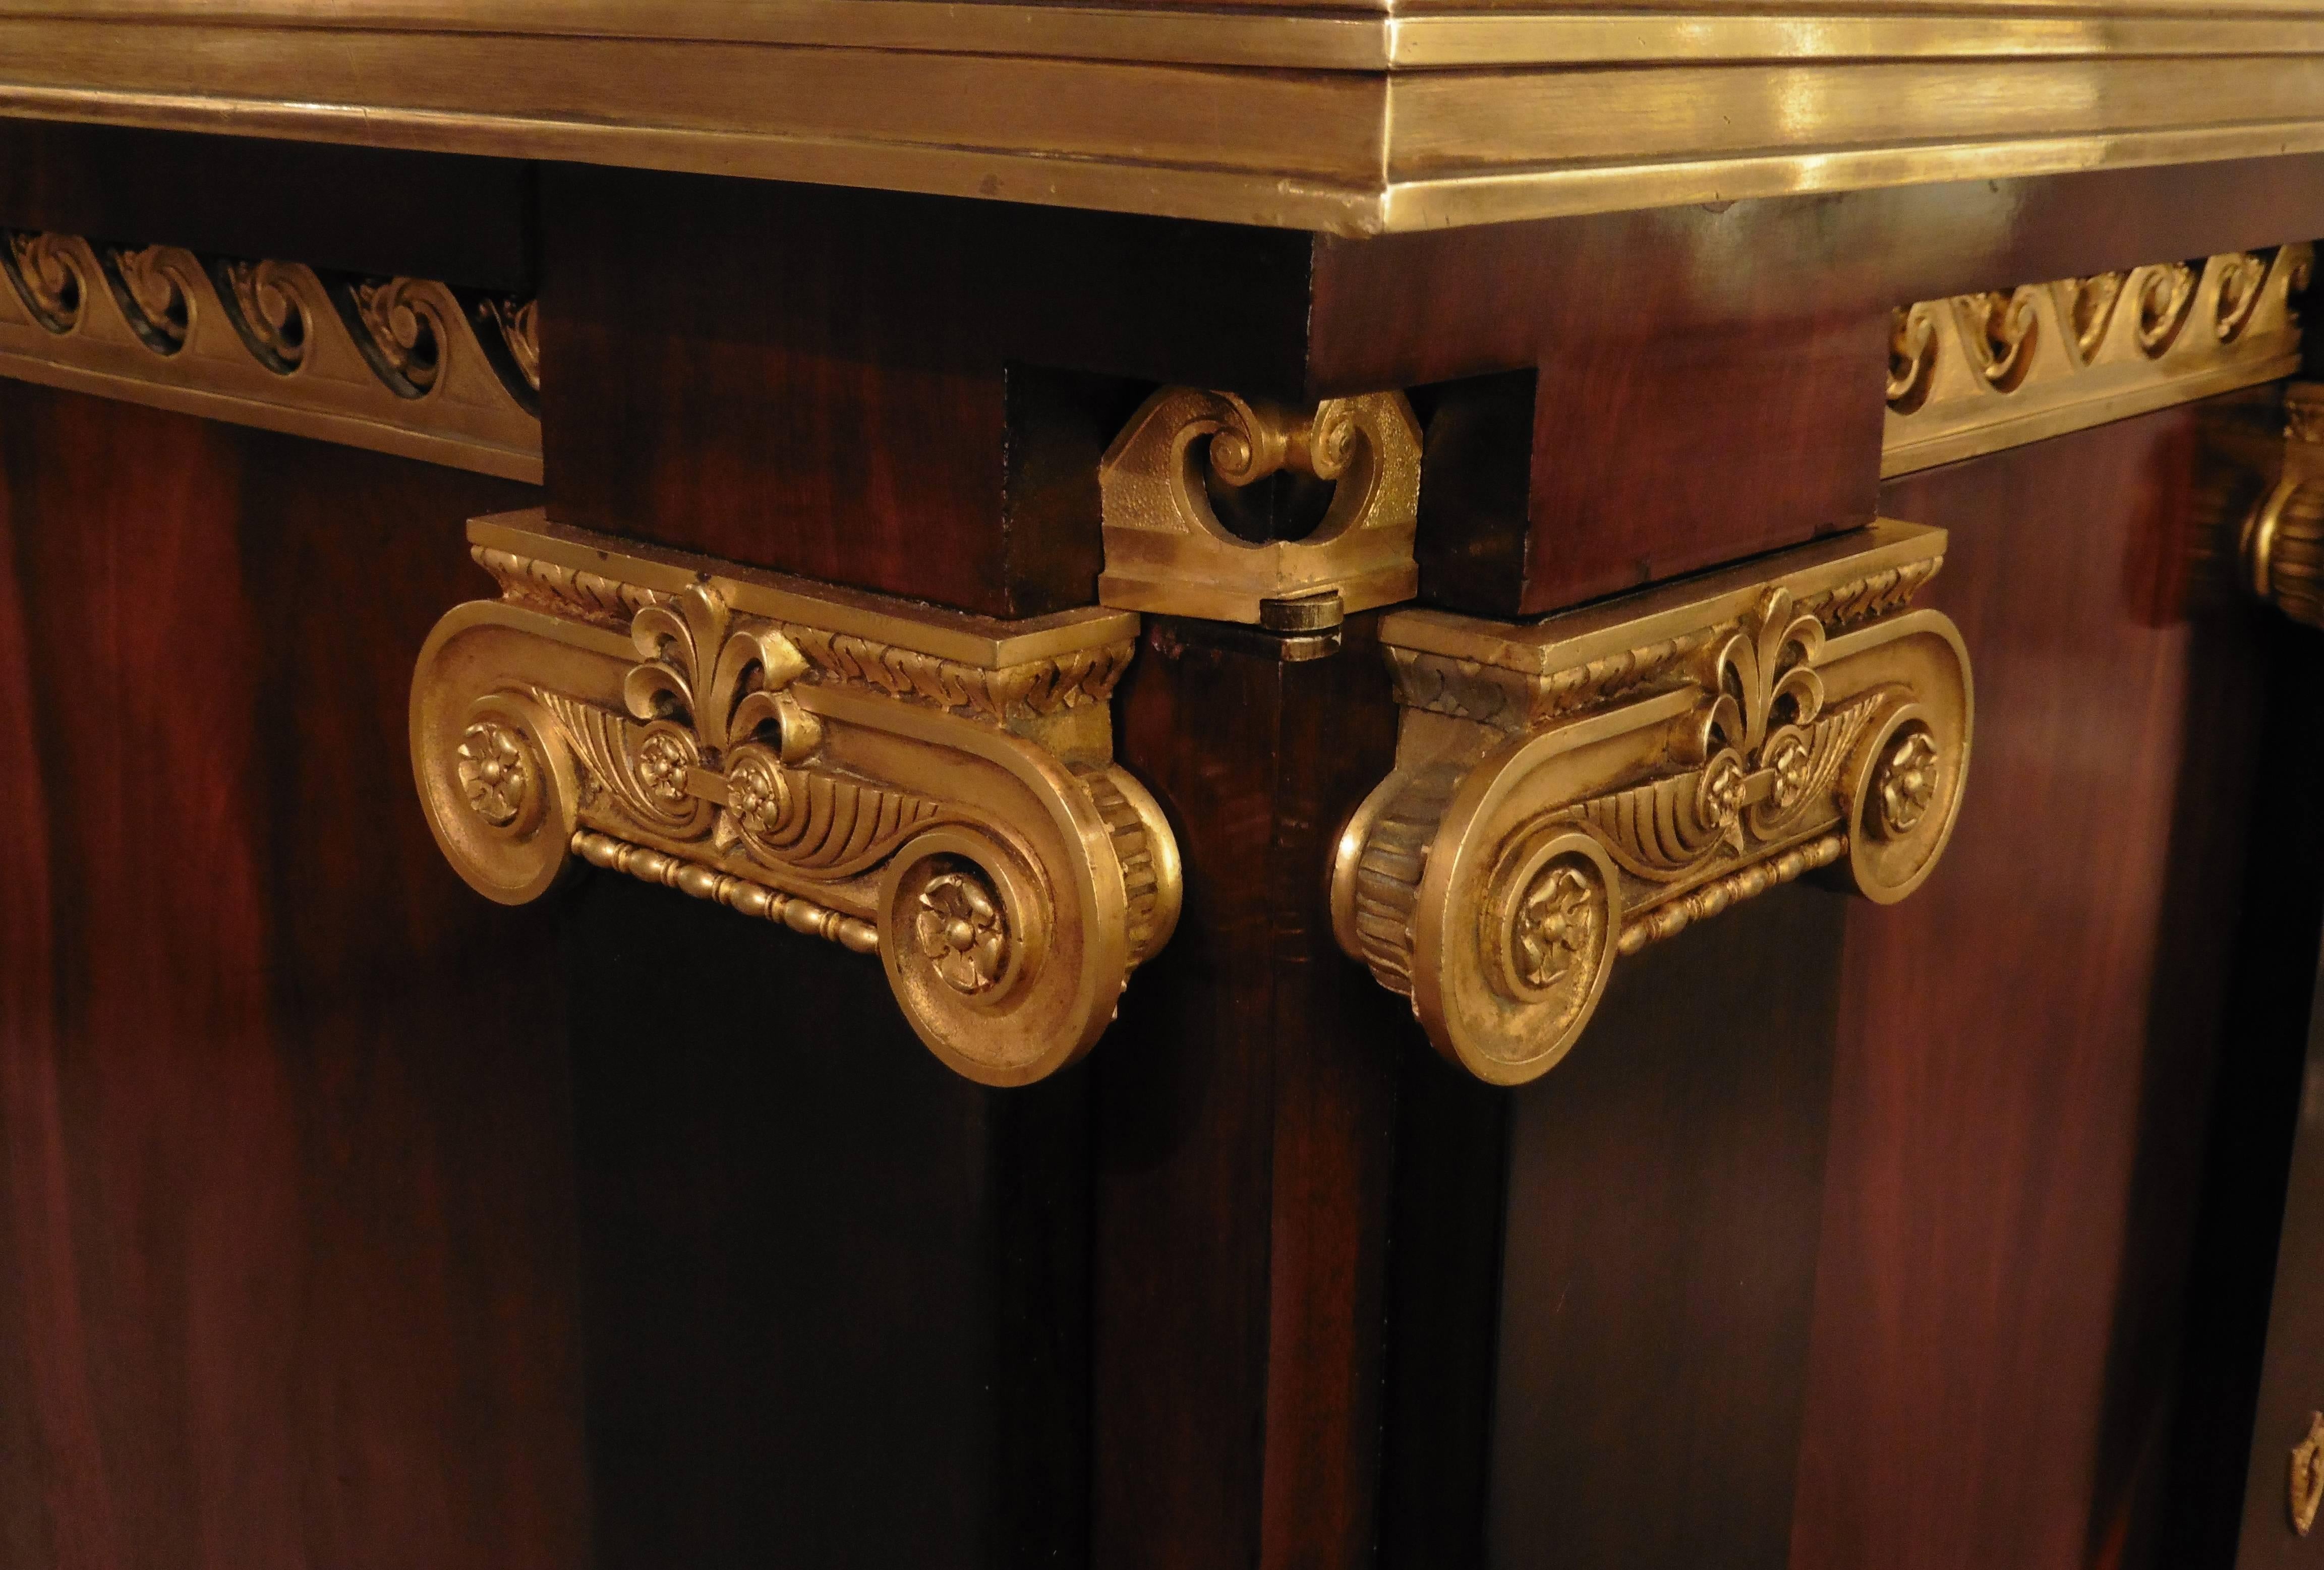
pixel 909 391
pixel 1666 455
pixel 1709 377
pixel 1245 1115
pixel 835 1296
pixel 2028 1044
pixel 873 388
pixel 1659 1267
pixel 1601 1284
pixel 365 209
pixel 1436 305
pixel 285 1249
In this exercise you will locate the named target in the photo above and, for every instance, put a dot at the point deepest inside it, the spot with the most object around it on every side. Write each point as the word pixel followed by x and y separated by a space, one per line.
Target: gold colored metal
pixel 2308 1476
pixel 1357 119
pixel 931 786
pixel 399 364
pixel 2280 542
pixel 1572 789
pixel 1982 372
pixel 1166 550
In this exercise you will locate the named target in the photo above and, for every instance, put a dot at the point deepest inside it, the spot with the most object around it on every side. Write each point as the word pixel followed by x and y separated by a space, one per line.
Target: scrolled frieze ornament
pixel 932 786
pixel 1976 373
pixel 395 364
pixel 1568 791
pixel 1166 549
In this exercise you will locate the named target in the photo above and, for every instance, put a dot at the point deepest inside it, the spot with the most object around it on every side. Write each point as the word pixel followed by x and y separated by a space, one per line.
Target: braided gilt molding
pixel 932 786
pixel 1569 790
pixel 401 365
pixel 1976 373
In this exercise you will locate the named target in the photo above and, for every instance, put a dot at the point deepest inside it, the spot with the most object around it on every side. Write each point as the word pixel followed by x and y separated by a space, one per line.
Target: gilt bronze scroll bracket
pixel 1166 549
pixel 1569 790
pixel 933 787
pixel 2279 543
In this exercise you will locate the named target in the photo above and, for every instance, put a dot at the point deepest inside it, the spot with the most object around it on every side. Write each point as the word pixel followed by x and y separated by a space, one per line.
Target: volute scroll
pixel 1166 551
pixel 931 786
pixel 1569 790
pixel 2279 543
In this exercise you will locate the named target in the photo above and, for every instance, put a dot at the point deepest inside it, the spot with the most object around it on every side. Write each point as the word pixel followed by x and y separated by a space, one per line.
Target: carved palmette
pixel 927 785
pixel 1569 790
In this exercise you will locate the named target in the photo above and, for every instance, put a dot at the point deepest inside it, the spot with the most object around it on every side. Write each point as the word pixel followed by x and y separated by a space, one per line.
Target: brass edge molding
pixel 1294 35
pixel 404 365
pixel 1976 373
pixel 1569 790
pixel 933 787
pixel 1166 551
pixel 1360 122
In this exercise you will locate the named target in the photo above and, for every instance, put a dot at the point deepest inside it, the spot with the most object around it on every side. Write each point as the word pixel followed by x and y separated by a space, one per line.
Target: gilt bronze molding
pixel 1357 119
pixel 1166 551
pixel 2279 542
pixel 401 365
pixel 931 786
pixel 1978 373
pixel 1569 790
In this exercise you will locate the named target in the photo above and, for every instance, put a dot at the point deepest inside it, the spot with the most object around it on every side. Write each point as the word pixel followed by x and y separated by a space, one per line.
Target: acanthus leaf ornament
pixel 1569 790
pixel 926 785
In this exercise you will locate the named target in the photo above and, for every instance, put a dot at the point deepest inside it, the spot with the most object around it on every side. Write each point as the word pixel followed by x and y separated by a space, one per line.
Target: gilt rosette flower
pixel 1790 759
pixel 757 794
pixel 1908 784
pixel 665 758
pixel 1720 800
pixel 1559 926
pixel 494 771
pixel 962 931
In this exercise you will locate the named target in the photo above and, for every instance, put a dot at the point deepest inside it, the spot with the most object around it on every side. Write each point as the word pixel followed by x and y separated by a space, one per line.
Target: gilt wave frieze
pixel 1568 791
pixel 405 365
pixel 933 787
pixel 1976 372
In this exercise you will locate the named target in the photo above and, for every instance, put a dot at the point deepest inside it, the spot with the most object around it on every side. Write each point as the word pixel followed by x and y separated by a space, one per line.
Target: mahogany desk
pixel 872 783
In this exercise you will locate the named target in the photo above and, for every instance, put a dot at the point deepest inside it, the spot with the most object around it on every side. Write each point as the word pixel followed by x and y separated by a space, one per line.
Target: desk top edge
pixel 1337 119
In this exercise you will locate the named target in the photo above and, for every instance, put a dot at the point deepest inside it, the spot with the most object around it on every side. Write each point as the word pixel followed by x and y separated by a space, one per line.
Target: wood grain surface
pixel 1708 378
pixel 466 221
pixel 2028 1044
pixel 286 1252
pixel 1659 1238
pixel 835 1297
pixel 914 400
pixel 1245 1130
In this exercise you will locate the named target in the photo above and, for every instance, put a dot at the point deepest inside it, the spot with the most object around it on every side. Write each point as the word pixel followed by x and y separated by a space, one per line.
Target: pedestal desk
pixel 1247 787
